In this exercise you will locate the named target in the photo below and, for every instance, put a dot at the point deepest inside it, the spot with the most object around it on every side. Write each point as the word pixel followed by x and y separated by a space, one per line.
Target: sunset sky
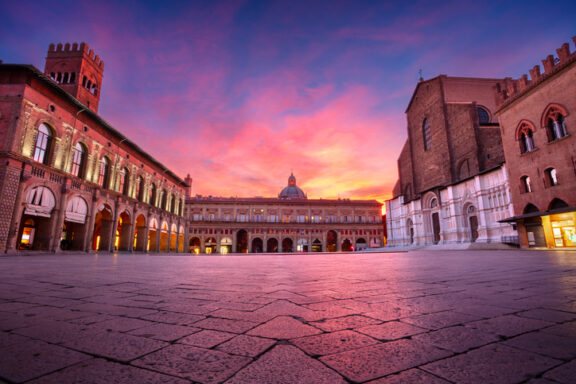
pixel 241 93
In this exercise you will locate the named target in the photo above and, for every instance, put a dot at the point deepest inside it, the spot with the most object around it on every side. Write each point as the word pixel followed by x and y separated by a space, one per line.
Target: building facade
pixel 538 121
pixel 289 223
pixel 453 184
pixel 68 179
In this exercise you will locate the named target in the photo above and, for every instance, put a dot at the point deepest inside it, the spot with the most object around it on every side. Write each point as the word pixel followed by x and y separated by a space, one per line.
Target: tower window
pixel 426 134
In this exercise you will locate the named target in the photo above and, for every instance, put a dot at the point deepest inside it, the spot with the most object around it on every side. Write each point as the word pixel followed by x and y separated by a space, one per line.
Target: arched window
pixel 140 188
pixel 153 193
pixel 464 170
pixel 555 123
pixel 434 203
pixel 164 200
pixel 124 181
pixel 483 116
pixel 426 134
pixel 172 204
pixel 525 184
pixel 104 174
pixel 525 137
pixel 551 177
pixel 78 160
pixel 43 143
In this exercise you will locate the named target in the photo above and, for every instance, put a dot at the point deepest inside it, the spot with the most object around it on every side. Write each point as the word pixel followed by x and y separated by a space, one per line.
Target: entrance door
pixel 436 227
pixel 473 228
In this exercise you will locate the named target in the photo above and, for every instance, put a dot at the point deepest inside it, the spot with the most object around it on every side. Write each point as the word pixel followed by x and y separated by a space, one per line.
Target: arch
pixel 43 144
pixel 76 210
pixel 553 120
pixel 164 240
pixel 242 241
pixel 331 241
pixel 410 228
pixel 464 169
pixel 194 245
pixel 525 136
pixel 302 245
pixel 360 244
pixel 347 245
pixel 153 228
pixel 287 245
pixel 225 245
pixel 173 237
pixel 483 115
pixel 104 172
pixel 140 234
pixel 530 208
pixel 210 245
pixel 257 245
pixel 123 228
pixel 430 201
pixel 102 238
pixel 272 245
pixel 471 221
pixel 426 134
pixel 557 204
pixel 40 201
pixel 79 160
pixel 316 245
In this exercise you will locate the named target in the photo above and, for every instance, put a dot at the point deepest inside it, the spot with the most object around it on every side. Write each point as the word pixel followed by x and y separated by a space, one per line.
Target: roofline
pixel 71 99
pixel 208 199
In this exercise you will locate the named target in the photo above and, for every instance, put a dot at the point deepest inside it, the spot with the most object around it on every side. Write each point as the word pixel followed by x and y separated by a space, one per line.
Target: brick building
pixel 289 223
pixel 68 179
pixel 453 185
pixel 538 121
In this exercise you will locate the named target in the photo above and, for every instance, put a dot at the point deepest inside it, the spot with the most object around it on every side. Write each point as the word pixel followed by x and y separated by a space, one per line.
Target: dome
pixel 292 191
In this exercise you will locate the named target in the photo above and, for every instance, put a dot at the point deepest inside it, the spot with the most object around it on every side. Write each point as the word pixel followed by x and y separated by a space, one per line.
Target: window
pixel 164 200
pixel 525 138
pixel 104 174
pixel 42 146
pixel 426 134
pixel 153 195
pixel 173 205
pixel 78 160
pixel 483 116
pixel 555 124
pixel 526 184
pixel 124 181
pixel 551 177
pixel 140 188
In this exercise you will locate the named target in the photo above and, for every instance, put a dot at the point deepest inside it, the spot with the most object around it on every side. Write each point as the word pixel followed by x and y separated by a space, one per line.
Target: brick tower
pixel 77 70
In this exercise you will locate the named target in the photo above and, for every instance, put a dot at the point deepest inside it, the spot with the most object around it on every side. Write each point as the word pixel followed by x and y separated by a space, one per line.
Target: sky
pixel 240 93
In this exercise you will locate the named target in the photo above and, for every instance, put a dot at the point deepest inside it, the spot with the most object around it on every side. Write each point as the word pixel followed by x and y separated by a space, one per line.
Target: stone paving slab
pixel 415 317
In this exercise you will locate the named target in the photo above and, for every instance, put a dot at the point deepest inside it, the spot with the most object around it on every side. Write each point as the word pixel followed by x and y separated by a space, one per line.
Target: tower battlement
pixel 510 88
pixel 75 50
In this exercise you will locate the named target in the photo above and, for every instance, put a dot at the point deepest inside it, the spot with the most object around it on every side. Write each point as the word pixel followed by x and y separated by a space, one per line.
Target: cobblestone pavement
pixel 415 317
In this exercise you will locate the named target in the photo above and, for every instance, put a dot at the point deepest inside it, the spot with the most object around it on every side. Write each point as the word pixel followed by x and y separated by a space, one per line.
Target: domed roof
pixel 292 191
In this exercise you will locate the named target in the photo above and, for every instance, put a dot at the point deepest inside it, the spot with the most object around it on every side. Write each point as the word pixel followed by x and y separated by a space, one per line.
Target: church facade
pixel 68 179
pixel 453 183
pixel 289 223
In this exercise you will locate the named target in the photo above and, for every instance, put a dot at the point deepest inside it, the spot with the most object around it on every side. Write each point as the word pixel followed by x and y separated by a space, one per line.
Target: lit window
pixel 525 138
pixel 555 124
pixel 526 184
pixel 551 177
pixel 42 146
pixel 426 134
pixel 78 160
pixel 104 174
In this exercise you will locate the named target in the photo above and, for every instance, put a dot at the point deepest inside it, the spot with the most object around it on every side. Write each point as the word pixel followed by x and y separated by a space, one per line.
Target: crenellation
pixel 563 53
pixel 548 64
pixel 535 73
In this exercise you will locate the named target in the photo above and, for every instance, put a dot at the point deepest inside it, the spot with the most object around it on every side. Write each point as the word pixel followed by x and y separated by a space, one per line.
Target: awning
pixel 538 214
